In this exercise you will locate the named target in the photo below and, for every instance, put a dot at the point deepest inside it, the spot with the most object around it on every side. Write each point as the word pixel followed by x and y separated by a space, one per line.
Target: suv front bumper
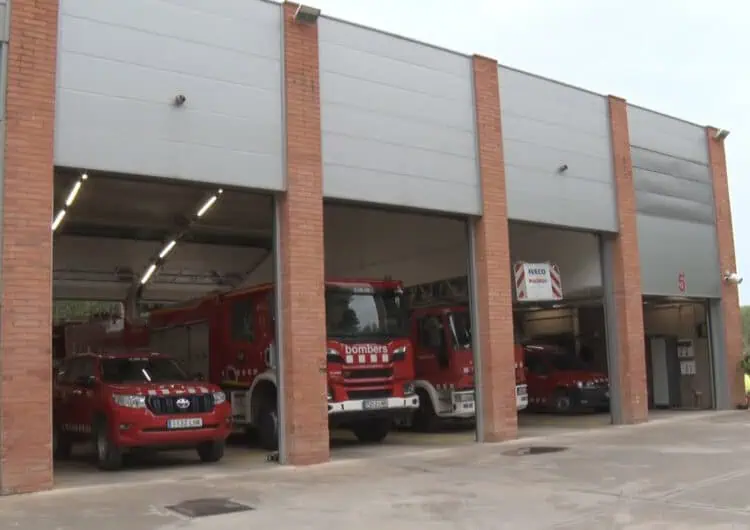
pixel 140 428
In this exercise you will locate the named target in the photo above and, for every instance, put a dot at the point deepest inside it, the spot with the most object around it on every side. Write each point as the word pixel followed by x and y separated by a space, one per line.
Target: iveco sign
pixel 357 349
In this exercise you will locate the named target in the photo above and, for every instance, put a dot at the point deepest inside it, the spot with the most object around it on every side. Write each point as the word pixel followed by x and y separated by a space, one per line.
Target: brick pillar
pixel 301 252
pixel 26 259
pixel 626 276
pixel 730 302
pixel 492 262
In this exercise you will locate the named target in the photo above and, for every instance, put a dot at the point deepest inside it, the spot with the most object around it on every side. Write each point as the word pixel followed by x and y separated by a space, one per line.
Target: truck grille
pixel 368 373
pixel 370 394
pixel 168 404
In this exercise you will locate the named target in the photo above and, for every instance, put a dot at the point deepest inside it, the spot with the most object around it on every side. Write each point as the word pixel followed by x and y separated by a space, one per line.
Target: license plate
pixel 185 423
pixel 374 404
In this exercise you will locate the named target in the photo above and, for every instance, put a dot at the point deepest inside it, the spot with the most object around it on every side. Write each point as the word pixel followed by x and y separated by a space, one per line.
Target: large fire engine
pixel 444 358
pixel 229 339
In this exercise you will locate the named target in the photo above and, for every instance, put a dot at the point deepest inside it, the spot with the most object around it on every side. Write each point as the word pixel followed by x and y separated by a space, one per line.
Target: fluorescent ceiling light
pixel 166 250
pixel 148 273
pixel 58 219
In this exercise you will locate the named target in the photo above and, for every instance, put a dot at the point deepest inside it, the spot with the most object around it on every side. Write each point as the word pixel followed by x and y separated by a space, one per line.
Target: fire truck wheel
pixel 372 431
pixel 562 402
pixel 268 427
pixel 425 419
pixel 108 455
pixel 211 451
pixel 62 446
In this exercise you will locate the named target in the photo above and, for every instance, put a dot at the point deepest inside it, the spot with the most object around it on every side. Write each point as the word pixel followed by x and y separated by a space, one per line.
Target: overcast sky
pixel 686 58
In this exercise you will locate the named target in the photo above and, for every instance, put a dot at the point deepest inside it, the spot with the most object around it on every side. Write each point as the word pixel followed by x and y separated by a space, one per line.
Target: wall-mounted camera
pixel 179 100
pixel 732 277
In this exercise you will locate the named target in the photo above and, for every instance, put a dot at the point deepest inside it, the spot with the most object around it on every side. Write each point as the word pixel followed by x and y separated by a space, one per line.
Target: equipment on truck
pixel 130 401
pixel 229 339
pixel 444 363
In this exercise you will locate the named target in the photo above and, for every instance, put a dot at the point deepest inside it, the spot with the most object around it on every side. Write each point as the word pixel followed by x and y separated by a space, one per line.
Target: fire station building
pixel 324 117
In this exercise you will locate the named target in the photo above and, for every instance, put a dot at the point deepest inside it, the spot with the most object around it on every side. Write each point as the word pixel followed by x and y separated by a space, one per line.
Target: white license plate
pixel 375 404
pixel 185 423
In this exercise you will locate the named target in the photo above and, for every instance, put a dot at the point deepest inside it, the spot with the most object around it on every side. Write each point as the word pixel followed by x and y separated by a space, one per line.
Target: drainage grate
pixel 535 450
pixel 208 507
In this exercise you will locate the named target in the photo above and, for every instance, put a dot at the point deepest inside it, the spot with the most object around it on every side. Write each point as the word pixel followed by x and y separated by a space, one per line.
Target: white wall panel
pixel 120 65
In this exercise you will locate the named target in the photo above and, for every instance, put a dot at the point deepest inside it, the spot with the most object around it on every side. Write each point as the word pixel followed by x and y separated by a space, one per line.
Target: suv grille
pixel 168 404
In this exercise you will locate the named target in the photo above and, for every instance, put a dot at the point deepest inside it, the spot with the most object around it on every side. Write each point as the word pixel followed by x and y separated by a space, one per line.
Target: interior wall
pixel 575 252
pixel 413 248
pixel 683 321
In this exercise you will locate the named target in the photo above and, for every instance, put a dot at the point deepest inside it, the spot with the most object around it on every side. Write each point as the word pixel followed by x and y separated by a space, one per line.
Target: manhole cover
pixel 536 450
pixel 208 507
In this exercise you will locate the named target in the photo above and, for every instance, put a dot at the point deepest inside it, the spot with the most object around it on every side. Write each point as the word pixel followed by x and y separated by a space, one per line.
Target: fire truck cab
pixel 230 340
pixel 445 366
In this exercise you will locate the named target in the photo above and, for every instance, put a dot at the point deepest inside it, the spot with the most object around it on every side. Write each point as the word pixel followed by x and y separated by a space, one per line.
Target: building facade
pixel 324 109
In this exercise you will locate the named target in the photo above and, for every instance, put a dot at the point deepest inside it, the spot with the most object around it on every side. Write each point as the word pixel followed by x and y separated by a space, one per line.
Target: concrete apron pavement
pixel 683 471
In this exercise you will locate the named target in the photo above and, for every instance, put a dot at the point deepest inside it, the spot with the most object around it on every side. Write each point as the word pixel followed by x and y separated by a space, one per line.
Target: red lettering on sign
pixel 681 282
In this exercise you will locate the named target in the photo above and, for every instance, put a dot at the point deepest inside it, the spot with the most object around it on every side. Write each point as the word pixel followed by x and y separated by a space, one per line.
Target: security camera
pixel 563 168
pixel 732 277
pixel 179 100
pixel 721 134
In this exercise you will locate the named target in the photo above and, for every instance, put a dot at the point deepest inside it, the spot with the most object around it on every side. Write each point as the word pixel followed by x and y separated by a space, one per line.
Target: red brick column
pixel 631 354
pixel 492 258
pixel 730 301
pixel 302 253
pixel 26 262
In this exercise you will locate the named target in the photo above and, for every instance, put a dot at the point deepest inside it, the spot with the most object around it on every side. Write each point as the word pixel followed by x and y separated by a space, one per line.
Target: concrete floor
pixel 242 455
pixel 677 472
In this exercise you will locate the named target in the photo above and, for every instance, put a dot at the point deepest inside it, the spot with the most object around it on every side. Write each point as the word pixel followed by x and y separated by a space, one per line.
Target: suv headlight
pixel 409 388
pixel 129 401
pixel 219 397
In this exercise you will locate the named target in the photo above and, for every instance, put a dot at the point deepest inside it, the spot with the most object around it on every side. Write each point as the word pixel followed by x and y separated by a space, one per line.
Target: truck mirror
pixel 88 381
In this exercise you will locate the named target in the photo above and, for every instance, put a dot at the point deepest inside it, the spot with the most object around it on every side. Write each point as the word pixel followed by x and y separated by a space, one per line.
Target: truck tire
pixel 562 402
pixel 62 445
pixel 372 431
pixel 425 419
pixel 211 451
pixel 108 455
pixel 268 427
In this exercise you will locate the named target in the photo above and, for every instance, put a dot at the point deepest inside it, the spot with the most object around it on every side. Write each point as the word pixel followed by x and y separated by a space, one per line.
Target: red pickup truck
pixel 129 401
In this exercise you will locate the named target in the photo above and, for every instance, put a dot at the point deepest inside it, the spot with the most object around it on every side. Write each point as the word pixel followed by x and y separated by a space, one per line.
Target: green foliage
pixel 64 310
pixel 745 312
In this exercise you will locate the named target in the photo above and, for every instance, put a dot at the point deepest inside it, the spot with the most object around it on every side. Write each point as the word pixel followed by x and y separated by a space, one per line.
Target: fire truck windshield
pixel 127 370
pixel 365 312
pixel 461 329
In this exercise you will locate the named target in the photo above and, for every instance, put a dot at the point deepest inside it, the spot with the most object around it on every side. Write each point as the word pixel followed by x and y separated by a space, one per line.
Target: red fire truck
pixel 229 339
pixel 444 358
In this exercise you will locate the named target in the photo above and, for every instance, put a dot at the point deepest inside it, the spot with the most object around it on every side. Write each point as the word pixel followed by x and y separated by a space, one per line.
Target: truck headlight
pixel 409 388
pixel 219 397
pixel 129 401
pixel 330 394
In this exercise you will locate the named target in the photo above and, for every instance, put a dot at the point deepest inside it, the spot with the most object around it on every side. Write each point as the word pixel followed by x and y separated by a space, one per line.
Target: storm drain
pixel 534 450
pixel 208 507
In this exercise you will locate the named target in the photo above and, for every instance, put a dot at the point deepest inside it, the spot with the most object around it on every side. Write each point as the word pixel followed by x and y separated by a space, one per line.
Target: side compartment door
pixel 242 337
pixel 199 347
pixel 432 358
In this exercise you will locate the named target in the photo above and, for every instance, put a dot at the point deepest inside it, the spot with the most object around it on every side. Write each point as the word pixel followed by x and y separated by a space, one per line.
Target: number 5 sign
pixel 681 282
